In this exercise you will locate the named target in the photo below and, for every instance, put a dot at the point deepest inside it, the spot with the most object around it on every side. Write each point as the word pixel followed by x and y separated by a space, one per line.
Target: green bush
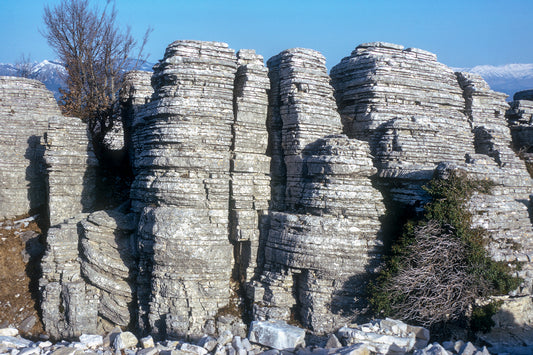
pixel 439 266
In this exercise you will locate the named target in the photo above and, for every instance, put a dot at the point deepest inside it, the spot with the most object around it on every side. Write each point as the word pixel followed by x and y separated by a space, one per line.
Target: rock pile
pixel 250 166
pixel 25 106
pixel 318 250
pixel 71 169
pixel 380 337
pixel 409 107
pixel 181 189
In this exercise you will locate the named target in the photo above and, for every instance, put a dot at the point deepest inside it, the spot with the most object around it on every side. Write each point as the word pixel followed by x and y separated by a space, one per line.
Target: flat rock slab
pixel 276 334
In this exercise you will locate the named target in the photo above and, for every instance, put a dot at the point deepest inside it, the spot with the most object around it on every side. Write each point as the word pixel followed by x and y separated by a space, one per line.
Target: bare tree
pixel 24 67
pixel 95 53
pixel 435 283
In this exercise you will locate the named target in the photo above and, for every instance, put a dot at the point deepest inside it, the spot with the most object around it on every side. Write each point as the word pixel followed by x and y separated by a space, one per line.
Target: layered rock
pixel 108 263
pixel 135 93
pixel 181 189
pixel 69 305
pixel 25 107
pixel 409 107
pixel 88 274
pixel 417 113
pixel 250 165
pixel 319 251
pixel 520 120
pixel 71 169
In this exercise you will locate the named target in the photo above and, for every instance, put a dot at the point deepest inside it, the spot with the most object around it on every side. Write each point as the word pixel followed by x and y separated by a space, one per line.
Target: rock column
pixel 250 165
pixel 320 248
pixel 25 107
pixel 181 188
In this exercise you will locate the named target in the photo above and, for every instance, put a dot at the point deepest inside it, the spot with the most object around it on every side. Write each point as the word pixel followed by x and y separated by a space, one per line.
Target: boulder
pixel 276 334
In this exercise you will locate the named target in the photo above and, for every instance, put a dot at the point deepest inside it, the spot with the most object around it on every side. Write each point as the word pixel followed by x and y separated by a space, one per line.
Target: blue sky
pixel 463 33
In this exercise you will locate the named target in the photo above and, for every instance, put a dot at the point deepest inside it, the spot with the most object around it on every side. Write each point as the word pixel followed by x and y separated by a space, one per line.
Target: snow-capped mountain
pixel 51 73
pixel 509 78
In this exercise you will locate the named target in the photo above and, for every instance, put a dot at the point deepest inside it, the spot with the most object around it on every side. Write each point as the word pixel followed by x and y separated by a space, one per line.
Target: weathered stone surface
pixel 386 336
pixel 276 334
pixel 409 107
pixel 135 93
pixel 77 288
pixel 25 107
pixel 416 113
pixel 71 169
pixel 520 120
pixel 125 340
pixel 250 166
pixel 69 305
pixel 182 162
pixel 107 262
pixel 319 250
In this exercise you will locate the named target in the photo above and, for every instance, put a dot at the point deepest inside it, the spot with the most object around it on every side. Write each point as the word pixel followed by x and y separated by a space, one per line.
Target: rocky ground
pixel 20 250
pixel 268 337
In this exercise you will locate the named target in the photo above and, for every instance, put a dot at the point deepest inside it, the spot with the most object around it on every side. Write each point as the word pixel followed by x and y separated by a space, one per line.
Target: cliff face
pixel 25 108
pixel 274 185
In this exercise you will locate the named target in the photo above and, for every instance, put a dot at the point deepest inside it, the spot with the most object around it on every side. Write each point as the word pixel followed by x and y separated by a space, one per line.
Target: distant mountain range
pixel 51 73
pixel 508 78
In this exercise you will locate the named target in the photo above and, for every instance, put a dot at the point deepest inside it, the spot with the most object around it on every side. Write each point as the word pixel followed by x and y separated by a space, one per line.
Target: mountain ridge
pixel 507 78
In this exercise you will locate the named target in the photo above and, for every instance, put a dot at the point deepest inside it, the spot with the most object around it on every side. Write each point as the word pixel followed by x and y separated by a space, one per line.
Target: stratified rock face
pixel 409 107
pixel 108 263
pixel 250 165
pixel 71 169
pixel 136 92
pixel 69 305
pixel 520 120
pixel 181 188
pixel 320 250
pixel 417 113
pixel 77 288
pixel 25 107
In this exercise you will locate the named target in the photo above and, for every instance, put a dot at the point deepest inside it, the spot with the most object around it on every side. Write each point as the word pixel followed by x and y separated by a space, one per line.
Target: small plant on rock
pixel 439 266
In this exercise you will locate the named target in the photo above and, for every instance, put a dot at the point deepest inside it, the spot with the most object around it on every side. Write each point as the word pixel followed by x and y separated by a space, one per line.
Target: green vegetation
pixel 439 266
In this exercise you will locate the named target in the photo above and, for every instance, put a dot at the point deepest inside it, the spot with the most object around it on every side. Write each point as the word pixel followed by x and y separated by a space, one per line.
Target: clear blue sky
pixel 463 33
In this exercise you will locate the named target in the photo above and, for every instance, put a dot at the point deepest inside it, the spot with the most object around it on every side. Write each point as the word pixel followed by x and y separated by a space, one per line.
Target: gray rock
pixel 195 349
pixel 147 342
pixel 468 349
pixel 333 342
pixel 91 340
pixel 276 334
pixel 71 169
pixel 9 332
pixel 432 349
pixel 148 351
pixel 125 340
pixel 14 342
pixel 25 108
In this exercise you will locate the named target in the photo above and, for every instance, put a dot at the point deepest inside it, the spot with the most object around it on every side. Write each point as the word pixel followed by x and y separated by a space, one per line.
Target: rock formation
pixel 71 169
pixel 25 106
pixel 409 107
pixel 520 120
pixel 250 165
pixel 136 92
pixel 416 113
pixel 270 181
pixel 181 189
pixel 88 273
pixel 320 249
